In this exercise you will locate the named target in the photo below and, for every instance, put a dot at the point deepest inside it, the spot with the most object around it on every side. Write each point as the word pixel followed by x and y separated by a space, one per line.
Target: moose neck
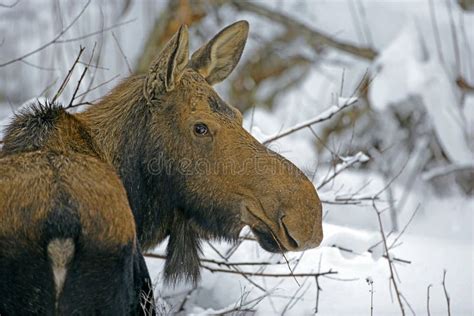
pixel 119 124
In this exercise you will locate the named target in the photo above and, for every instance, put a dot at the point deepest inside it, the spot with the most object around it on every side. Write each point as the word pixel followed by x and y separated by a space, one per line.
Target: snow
pixel 404 69
pixel 429 255
pixel 409 76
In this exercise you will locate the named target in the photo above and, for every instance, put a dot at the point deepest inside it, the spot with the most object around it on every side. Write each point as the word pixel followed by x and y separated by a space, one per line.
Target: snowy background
pixel 406 145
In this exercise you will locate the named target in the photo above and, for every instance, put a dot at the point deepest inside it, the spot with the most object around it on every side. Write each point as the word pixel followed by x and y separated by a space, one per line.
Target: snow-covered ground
pixel 409 66
pixel 439 238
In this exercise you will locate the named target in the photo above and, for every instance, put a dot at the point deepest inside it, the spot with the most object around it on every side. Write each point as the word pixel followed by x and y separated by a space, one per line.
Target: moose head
pixel 190 169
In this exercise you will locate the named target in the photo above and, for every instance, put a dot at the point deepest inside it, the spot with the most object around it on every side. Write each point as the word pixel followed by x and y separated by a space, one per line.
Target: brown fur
pixel 64 221
pixel 34 176
pixel 64 158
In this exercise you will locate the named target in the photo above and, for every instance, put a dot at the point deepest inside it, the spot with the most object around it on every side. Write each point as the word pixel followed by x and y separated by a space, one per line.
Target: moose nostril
pixel 292 241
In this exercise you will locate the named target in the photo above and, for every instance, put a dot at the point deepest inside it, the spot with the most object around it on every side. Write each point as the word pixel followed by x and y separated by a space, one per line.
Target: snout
pixel 294 230
pixel 285 211
pixel 300 234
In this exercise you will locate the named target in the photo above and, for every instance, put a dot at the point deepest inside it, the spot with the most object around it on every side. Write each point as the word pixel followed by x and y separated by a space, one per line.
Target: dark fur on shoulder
pixel 67 234
pixel 48 126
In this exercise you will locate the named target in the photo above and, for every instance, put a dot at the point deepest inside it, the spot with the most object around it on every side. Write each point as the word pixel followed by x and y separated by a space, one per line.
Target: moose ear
pixel 216 60
pixel 167 68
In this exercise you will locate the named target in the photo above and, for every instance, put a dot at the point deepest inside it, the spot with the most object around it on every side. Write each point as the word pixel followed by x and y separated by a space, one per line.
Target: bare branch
pixel 448 300
pixel 389 260
pixel 371 291
pixel 324 116
pixel 428 299
pixel 434 24
pixel 97 86
pixel 270 275
pixel 122 53
pixel 51 42
pixel 81 78
pixel 405 227
pixel 347 162
pixel 68 40
pixel 68 76
pixel 222 263
pixel 454 34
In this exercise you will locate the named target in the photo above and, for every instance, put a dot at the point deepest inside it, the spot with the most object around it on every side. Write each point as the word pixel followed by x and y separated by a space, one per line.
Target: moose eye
pixel 201 129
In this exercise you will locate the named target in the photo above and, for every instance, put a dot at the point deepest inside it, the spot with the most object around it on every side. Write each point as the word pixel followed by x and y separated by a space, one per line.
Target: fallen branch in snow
pixel 324 116
pixel 223 263
pixel 351 200
pixel 247 273
pixel 270 275
pixel 448 301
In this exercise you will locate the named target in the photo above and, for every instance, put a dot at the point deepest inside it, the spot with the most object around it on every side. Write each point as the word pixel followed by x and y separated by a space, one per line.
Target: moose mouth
pixel 276 240
pixel 268 241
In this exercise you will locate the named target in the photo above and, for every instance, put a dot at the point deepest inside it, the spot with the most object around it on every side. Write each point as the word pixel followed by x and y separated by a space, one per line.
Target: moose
pixel 189 168
pixel 172 140
pixel 68 241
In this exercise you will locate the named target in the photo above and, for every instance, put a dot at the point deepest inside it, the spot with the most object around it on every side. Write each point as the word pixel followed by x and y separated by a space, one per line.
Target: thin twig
pixel 355 21
pixel 37 66
pixel 68 76
pixel 428 299
pixel 454 34
pixel 269 275
pixel 112 27
pixel 81 78
pixel 324 116
pixel 97 61
pixel 448 300
pixel 434 24
pixel 122 53
pixel 318 287
pixel 223 263
pixel 405 227
pixel 51 42
pixel 365 24
pixel 390 264
pixel 348 162
pixel 98 86
pixel 371 291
